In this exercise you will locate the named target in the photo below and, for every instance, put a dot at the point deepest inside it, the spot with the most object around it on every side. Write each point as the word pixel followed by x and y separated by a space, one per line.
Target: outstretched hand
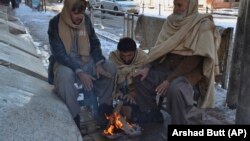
pixel 162 88
pixel 129 98
pixel 87 80
pixel 100 71
pixel 143 72
pixel 118 95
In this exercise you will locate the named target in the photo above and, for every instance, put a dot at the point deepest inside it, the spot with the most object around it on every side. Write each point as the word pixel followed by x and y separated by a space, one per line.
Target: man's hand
pixel 87 80
pixel 143 72
pixel 162 88
pixel 100 71
pixel 129 98
pixel 118 95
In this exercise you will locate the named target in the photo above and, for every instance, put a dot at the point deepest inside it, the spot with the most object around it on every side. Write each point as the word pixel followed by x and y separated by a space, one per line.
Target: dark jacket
pixel 59 52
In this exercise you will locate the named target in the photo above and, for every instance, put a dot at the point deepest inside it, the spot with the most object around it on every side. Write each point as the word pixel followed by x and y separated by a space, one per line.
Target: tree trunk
pixel 234 79
pixel 243 107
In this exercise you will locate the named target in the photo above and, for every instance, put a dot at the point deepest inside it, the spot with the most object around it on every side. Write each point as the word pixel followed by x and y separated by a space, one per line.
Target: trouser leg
pixel 145 90
pixel 103 87
pixel 65 89
pixel 149 110
pixel 180 102
pixel 90 101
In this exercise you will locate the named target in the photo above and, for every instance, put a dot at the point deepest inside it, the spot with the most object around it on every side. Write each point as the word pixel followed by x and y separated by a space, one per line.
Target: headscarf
pixel 196 34
pixel 66 28
pixel 124 71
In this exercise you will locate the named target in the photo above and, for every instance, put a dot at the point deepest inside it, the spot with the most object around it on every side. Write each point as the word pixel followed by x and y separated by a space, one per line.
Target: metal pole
pixel 143 6
pixel 124 25
pixel 45 5
pixel 42 5
pixel 128 30
pixel 132 27
pixel 159 9
pixel 101 20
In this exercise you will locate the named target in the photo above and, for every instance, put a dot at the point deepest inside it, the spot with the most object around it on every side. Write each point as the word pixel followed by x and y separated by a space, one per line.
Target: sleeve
pixel 95 44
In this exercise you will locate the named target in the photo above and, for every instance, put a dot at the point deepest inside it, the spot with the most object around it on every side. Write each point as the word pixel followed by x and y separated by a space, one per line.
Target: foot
pixel 77 121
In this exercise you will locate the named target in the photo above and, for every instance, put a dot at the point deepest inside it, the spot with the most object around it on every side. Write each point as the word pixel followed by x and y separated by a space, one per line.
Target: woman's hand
pixel 162 88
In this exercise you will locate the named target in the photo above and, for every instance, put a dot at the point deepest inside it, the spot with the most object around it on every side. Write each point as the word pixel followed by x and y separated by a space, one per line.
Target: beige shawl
pixel 124 71
pixel 196 34
pixel 66 27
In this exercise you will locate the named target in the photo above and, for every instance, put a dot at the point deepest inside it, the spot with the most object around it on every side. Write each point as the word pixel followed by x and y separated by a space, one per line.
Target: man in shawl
pixel 78 58
pixel 182 65
pixel 127 58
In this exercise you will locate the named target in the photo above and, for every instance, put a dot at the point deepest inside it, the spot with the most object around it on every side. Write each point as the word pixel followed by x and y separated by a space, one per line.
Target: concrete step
pixel 18 42
pixel 22 61
pixel 30 111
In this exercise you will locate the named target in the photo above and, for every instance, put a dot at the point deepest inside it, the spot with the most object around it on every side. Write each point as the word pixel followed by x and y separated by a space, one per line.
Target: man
pixel 14 3
pixel 127 58
pixel 78 58
pixel 182 65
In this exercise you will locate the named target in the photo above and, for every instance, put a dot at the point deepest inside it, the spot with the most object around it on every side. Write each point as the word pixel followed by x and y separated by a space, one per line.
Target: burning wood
pixel 119 125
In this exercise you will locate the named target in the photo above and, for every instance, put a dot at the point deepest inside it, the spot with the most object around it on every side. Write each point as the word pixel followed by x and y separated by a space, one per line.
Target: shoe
pixel 77 121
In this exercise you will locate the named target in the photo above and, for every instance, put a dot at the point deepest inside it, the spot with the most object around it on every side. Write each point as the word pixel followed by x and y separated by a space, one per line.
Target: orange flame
pixel 110 130
pixel 116 121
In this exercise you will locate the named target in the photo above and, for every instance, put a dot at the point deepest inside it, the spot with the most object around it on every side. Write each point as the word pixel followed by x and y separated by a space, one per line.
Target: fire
pixel 116 122
pixel 110 130
pixel 119 125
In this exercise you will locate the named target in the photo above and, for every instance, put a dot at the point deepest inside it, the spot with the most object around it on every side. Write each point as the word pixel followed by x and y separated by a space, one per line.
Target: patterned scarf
pixel 66 28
